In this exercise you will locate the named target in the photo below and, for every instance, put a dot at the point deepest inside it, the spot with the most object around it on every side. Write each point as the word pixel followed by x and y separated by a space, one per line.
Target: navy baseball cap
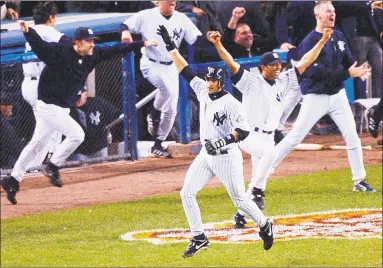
pixel 270 58
pixel 84 33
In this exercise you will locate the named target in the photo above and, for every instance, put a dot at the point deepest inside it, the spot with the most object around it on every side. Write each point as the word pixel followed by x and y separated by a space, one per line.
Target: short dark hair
pixel 43 10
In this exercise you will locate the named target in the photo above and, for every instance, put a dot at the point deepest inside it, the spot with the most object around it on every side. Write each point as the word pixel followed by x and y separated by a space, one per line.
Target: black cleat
pixel 11 186
pixel 194 246
pixel 266 233
pixel 160 151
pixel 258 195
pixel 373 124
pixel 52 172
pixel 239 221
pixel 278 136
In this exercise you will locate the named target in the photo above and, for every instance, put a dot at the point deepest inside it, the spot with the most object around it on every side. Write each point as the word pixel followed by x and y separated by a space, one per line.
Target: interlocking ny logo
pixel 95 118
pixel 219 119
pixel 177 35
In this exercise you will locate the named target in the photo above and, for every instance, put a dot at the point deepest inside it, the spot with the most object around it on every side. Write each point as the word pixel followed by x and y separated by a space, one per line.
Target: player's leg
pixel 342 115
pixel 198 174
pixel 229 169
pixel 60 120
pixel 374 116
pixel 374 58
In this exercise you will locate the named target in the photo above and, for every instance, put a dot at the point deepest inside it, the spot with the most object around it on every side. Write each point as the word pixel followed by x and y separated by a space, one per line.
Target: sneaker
pixel 373 124
pixel 239 221
pixel 278 136
pixel 266 233
pixel 258 195
pixel 363 186
pixel 194 246
pixel 160 151
pixel 52 172
pixel 11 186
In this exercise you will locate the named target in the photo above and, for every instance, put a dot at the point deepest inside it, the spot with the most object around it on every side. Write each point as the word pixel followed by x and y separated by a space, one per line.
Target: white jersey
pixel 262 101
pixel 219 117
pixel 147 22
pixel 48 34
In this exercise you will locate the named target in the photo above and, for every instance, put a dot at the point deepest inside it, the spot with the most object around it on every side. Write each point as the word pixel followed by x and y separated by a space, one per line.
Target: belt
pixel 161 62
pixel 256 129
pixel 32 77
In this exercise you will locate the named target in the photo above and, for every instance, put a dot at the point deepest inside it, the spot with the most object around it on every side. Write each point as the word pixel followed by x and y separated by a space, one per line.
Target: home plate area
pixel 349 224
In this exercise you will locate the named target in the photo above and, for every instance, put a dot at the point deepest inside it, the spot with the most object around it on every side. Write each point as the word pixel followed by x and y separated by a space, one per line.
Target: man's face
pixel 85 47
pixel 212 86
pixel 272 71
pixel 167 7
pixel 244 36
pixel 326 15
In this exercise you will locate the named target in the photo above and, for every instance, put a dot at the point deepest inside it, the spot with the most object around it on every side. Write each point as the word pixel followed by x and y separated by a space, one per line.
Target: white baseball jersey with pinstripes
pixel 218 117
pixel 179 26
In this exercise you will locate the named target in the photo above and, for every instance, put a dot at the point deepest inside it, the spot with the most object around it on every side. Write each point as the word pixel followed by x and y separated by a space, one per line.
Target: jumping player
pixel 222 126
pixel 65 73
pixel 157 65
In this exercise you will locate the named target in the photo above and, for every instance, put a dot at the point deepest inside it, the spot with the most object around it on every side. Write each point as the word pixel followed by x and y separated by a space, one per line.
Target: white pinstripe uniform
pixel 264 107
pixel 217 118
pixel 155 59
pixel 29 87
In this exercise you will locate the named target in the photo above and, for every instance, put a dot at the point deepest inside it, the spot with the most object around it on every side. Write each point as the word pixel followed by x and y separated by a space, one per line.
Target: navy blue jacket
pixel 66 71
pixel 327 74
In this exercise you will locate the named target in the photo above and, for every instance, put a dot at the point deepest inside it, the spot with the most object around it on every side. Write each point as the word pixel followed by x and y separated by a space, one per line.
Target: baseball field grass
pixel 91 236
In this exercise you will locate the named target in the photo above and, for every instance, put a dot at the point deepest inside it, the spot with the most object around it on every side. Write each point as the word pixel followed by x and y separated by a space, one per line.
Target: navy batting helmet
pixel 215 73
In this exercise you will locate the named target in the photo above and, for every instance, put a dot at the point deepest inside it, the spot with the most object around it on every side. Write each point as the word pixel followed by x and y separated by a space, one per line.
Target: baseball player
pixel 323 89
pixel 65 73
pixel 44 16
pixel 374 116
pixel 263 96
pixel 156 63
pixel 222 126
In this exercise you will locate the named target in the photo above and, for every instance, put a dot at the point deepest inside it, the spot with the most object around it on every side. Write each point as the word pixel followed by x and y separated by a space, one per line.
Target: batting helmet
pixel 215 73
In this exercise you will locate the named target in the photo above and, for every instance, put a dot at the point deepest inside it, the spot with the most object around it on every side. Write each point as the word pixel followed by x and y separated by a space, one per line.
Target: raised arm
pixel 313 54
pixel 215 38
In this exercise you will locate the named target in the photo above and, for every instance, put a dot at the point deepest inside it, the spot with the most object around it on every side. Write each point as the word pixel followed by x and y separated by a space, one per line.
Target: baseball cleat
pixel 11 186
pixel 363 186
pixel 258 195
pixel 373 124
pixel 160 151
pixel 239 221
pixel 278 136
pixel 194 246
pixel 266 233
pixel 52 172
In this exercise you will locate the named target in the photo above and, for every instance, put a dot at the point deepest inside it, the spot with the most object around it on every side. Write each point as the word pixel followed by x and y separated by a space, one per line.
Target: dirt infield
pixel 126 181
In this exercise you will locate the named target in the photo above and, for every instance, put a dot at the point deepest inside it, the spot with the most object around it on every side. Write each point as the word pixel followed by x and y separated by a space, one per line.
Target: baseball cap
pixel 270 58
pixel 84 33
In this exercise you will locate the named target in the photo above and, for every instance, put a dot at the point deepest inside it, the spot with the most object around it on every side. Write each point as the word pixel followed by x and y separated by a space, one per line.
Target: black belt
pixel 33 78
pixel 263 131
pixel 161 62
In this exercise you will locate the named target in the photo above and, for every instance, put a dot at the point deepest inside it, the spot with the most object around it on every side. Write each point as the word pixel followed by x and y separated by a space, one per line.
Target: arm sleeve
pixel 65 40
pixel 133 24
pixel 290 80
pixel 46 52
pixel 188 74
pixel 237 116
pixel 106 52
pixel 244 80
pixel 199 87
pixel 191 31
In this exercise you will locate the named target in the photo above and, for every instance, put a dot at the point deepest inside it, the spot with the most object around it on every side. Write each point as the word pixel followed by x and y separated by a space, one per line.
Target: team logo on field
pixel 219 119
pixel 346 224
pixel 177 34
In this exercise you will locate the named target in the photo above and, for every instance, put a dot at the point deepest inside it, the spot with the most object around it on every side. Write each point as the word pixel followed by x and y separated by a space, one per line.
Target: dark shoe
pixel 373 124
pixel 47 158
pixel 160 151
pixel 363 186
pixel 153 119
pixel 11 186
pixel 278 136
pixel 239 221
pixel 258 195
pixel 194 246
pixel 52 172
pixel 266 233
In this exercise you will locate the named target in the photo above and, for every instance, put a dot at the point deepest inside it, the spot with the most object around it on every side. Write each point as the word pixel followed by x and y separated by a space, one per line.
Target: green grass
pixel 90 236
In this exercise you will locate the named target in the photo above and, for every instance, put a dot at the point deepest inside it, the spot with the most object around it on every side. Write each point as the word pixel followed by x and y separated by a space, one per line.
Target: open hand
pixel 361 71
pixel 163 32
pixel 286 47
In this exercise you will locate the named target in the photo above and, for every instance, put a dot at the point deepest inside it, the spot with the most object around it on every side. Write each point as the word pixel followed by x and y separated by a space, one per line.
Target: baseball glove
pixel 170 45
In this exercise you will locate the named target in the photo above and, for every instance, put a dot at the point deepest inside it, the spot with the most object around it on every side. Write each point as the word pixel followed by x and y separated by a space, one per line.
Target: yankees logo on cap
pixel 270 58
